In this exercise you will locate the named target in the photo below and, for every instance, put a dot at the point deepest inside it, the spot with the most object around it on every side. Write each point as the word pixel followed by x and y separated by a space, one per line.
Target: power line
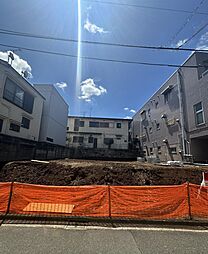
pixel 194 35
pixel 103 59
pixel 145 7
pixel 188 19
pixel 13 33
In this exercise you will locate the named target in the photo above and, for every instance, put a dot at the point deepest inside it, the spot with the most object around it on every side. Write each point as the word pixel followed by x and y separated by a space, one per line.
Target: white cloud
pixel 61 85
pixel 128 117
pixel 18 63
pixel 89 89
pixel 203 42
pixel 92 28
pixel 181 42
pixel 132 111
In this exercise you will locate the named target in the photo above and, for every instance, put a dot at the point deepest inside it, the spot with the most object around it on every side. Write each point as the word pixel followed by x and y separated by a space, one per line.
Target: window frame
pixel 118 125
pixel 1 124
pixel 90 140
pixel 94 124
pixel 78 139
pixel 25 125
pixel 173 150
pixel 196 112
pixel 25 102
pixel 12 128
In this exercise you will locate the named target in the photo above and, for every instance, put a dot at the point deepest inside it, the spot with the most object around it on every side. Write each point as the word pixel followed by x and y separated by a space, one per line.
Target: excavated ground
pixel 82 172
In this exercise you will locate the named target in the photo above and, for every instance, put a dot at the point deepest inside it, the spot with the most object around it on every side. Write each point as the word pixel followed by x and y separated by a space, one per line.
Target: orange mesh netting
pixel 198 201
pixel 161 202
pixel 50 200
pixel 4 196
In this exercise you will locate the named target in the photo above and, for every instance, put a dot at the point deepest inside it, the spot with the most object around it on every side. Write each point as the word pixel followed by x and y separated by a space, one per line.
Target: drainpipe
pixel 181 113
pixel 141 133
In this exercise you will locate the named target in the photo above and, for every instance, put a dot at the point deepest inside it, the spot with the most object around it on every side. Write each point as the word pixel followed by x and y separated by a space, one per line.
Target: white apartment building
pixel 95 132
pixel 54 116
pixel 20 105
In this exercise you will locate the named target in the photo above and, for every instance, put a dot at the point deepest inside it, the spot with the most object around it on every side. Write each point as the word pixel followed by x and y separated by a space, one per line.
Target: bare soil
pixel 82 172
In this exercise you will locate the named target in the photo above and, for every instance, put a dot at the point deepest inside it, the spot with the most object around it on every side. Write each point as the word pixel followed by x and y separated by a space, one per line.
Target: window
pixel 156 104
pixel 118 137
pixel 67 128
pixel 111 125
pixel 143 115
pixel 205 71
pixel 94 124
pixel 151 150
pixel 167 93
pixel 149 114
pixel 25 123
pixel 28 102
pixel 173 150
pixel 150 129
pixel 14 127
pixel 90 139
pixel 118 125
pixel 76 124
pixel 78 139
pixel 17 96
pixel 1 124
pixel 49 139
pixel 159 149
pixel 100 124
pixel 104 125
pixel 81 123
pixel 199 114
pixel 157 126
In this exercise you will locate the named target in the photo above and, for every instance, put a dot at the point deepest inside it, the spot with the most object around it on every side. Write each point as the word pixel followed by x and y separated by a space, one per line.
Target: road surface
pixel 16 239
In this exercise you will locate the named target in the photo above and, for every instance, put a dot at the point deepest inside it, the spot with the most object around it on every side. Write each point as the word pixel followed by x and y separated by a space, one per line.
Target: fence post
pixel 189 201
pixel 9 202
pixel 109 202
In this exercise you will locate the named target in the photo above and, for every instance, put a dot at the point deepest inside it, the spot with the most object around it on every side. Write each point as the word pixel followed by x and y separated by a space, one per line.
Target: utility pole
pixel 180 96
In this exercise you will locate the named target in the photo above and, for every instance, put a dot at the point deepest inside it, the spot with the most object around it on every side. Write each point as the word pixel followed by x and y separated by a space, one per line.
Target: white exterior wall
pixel 9 112
pixel 54 117
pixel 119 135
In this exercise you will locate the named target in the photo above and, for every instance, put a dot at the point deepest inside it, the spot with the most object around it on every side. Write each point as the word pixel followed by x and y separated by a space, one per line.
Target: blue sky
pixel 105 88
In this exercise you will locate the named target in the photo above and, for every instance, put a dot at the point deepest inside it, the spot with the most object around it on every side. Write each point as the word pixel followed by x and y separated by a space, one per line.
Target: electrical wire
pixel 144 7
pixel 194 35
pixel 103 59
pixel 13 33
pixel 188 19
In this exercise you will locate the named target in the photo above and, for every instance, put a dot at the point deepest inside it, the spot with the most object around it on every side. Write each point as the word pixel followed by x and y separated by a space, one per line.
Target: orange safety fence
pixel 152 202
pixel 139 202
pixel 198 201
pixel 4 197
pixel 64 201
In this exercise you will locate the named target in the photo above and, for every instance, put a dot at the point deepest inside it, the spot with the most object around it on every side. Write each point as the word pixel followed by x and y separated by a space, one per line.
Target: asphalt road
pixel 50 240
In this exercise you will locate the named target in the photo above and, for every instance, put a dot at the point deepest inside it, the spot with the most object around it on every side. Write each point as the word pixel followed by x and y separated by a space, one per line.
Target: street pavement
pixel 22 239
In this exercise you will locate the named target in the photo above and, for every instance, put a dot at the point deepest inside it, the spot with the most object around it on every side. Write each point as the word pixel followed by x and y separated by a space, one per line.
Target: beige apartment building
pixel 96 132
pixel 20 105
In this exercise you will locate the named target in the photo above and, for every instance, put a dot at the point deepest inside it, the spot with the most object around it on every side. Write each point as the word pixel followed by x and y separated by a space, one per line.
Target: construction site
pixel 70 172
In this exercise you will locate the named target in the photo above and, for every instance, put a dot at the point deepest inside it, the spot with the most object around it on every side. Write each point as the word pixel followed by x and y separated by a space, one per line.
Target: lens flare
pixel 79 53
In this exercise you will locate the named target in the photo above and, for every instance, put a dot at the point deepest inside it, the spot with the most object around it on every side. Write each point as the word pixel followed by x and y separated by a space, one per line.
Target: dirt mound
pixel 78 172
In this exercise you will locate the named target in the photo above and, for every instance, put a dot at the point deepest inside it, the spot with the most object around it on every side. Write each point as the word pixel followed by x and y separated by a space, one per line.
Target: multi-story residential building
pixel 173 123
pixel 54 116
pixel 95 132
pixel 20 105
